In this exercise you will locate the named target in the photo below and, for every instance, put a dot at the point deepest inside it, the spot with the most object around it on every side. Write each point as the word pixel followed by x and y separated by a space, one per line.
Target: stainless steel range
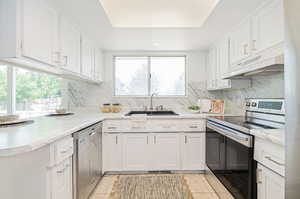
pixel 229 144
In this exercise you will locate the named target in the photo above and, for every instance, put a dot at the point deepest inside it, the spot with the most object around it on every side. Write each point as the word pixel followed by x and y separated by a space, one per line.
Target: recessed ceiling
pixel 158 13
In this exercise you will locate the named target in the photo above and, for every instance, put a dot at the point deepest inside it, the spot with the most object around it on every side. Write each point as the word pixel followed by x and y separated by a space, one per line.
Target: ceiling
pixel 92 18
pixel 157 13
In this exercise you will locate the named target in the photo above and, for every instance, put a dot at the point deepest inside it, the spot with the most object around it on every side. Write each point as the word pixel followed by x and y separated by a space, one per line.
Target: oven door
pixel 231 161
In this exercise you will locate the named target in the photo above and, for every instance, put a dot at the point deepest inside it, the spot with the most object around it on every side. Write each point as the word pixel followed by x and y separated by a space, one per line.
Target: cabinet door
pixel 211 69
pixel 87 58
pixel 114 154
pixel 70 46
pixel 270 184
pixel 166 151
pixel 40 26
pixel 223 63
pixel 240 42
pixel 61 180
pixel 268 26
pixel 99 65
pixel 136 149
pixel 193 151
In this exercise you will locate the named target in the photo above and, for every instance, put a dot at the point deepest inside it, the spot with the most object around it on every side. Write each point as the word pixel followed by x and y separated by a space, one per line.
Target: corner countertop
pixel 45 130
pixel 275 136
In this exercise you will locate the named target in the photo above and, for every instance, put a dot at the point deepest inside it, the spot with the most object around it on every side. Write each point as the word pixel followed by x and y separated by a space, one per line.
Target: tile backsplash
pixel 82 94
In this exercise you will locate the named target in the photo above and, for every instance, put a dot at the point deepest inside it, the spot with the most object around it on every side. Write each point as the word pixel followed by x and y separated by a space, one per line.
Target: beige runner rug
pixel 151 187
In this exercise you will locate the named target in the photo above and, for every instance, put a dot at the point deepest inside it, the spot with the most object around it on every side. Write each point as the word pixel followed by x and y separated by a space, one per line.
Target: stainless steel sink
pixel 151 113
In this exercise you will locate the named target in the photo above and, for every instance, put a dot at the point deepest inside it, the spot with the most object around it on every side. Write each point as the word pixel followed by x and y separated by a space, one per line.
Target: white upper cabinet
pixel 87 58
pixel 99 66
pixel 240 40
pixel 39 40
pixel 268 26
pixel 70 46
pixel 218 66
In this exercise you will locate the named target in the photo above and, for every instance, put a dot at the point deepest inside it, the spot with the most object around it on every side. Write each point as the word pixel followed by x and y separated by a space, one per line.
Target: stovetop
pixel 243 123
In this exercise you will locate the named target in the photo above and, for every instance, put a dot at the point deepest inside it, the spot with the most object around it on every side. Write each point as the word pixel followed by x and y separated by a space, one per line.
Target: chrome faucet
pixel 151 101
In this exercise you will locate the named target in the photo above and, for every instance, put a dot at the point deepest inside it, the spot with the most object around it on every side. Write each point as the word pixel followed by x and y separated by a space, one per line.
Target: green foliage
pixel 195 108
pixel 32 86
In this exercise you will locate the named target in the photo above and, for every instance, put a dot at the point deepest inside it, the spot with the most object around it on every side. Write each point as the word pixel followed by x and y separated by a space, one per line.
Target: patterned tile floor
pixel 197 183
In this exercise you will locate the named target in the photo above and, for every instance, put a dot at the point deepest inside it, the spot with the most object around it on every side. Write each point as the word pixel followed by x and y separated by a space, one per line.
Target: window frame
pixel 11 87
pixel 149 77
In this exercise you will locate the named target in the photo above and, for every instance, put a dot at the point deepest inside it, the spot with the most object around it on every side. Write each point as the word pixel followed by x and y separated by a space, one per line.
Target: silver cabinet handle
pixel 116 139
pixel 66 60
pixel 274 161
pixel 57 57
pixel 254 45
pixel 246 49
pixel 147 140
pixel 92 133
pixel 112 127
pixel 258 180
pixel 193 127
pixel 154 139
pixel 185 139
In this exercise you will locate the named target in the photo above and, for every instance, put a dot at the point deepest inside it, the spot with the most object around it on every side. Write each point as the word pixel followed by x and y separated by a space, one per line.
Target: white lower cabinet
pixel 154 151
pixel 61 180
pixel 270 184
pixel 136 151
pixel 165 151
pixel 193 151
pixel 113 151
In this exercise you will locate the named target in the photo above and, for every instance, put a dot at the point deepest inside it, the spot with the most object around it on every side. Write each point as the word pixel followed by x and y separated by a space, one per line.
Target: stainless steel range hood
pixel 258 66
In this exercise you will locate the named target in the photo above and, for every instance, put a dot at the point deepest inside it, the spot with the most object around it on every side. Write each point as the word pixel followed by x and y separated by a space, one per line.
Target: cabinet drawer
pixel 193 125
pixel 113 126
pixel 61 150
pixel 270 155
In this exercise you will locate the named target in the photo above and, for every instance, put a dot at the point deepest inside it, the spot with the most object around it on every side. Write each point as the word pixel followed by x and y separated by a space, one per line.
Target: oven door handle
pixel 244 139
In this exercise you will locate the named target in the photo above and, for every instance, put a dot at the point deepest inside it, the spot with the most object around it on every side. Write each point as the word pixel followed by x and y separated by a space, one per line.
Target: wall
pixel 82 94
pixel 85 95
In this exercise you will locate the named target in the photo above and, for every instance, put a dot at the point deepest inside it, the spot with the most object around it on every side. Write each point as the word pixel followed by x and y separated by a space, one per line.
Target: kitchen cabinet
pixel 136 151
pixel 270 185
pixel 240 40
pixel 258 40
pixel 61 180
pixel 70 46
pixel 193 151
pixel 211 69
pixel 268 26
pixel 99 66
pixel 165 150
pixel 29 34
pixel 218 66
pixel 113 155
pixel 87 58
pixel 39 32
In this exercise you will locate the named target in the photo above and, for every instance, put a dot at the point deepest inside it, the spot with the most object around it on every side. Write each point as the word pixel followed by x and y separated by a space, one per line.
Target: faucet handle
pixel 160 108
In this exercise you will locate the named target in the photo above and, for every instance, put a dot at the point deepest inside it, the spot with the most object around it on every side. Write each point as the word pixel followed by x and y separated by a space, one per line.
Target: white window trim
pixel 149 79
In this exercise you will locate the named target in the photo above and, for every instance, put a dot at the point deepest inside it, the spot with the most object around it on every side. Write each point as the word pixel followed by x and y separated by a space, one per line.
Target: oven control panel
pixel 266 105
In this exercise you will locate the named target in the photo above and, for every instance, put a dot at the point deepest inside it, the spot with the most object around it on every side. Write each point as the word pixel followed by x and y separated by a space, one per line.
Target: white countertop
pixel 45 130
pixel 275 136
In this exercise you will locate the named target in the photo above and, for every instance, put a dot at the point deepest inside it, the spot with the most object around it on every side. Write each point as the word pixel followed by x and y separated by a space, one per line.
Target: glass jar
pixel 106 108
pixel 116 108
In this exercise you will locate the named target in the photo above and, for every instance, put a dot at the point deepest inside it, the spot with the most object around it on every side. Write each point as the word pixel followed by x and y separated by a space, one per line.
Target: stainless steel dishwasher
pixel 87 160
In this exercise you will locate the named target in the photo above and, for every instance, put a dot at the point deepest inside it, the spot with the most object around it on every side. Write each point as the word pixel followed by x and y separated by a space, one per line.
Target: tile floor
pixel 197 183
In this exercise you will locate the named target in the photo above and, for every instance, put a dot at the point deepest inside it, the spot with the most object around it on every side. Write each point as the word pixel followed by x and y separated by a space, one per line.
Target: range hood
pixel 257 66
